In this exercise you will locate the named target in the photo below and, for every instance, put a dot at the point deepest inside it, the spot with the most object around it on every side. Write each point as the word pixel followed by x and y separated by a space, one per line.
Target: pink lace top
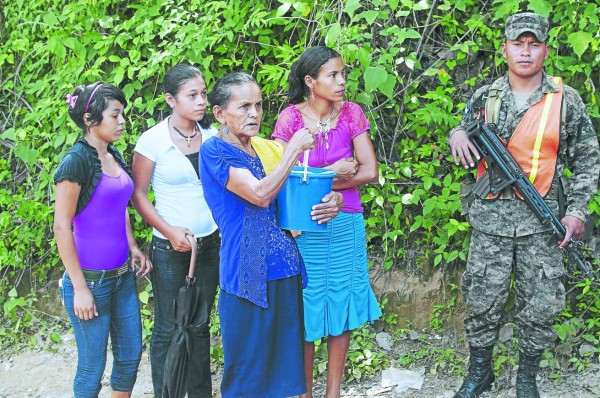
pixel 351 123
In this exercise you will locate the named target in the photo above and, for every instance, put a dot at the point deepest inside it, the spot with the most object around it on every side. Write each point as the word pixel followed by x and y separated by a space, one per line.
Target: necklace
pixel 323 127
pixel 188 138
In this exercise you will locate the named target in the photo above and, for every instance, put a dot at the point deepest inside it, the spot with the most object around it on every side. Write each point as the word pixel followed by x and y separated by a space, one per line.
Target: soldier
pixel 548 130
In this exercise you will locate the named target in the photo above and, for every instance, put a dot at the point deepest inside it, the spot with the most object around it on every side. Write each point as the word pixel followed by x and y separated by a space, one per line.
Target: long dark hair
pixel 93 99
pixel 223 89
pixel 308 64
pixel 176 77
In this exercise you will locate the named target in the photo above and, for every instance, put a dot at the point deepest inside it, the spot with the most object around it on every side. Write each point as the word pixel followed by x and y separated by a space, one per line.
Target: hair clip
pixel 71 100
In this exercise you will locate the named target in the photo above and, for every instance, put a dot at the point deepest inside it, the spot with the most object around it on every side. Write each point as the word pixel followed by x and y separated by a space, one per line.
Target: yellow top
pixel 268 151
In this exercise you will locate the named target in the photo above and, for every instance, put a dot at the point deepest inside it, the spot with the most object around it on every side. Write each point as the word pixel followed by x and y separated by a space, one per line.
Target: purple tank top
pixel 99 229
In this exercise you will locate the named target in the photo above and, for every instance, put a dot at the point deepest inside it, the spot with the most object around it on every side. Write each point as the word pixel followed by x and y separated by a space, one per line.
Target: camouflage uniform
pixel 507 233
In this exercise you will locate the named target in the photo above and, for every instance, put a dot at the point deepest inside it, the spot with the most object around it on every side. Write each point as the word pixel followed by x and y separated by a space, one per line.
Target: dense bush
pixel 411 65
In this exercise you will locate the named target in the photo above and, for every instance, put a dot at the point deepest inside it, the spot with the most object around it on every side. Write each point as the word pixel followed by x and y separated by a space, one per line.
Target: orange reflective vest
pixel 534 143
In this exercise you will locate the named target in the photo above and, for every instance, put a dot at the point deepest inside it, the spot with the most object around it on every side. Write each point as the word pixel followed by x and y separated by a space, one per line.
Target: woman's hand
pixel 344 168
pixel 329 208
pixel 302 140
pixel 178 238
pixel 84 305
pixel 138 256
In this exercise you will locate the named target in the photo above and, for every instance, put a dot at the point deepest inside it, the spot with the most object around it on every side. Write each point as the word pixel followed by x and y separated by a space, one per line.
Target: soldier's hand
pixel 574 227
pixel 463 149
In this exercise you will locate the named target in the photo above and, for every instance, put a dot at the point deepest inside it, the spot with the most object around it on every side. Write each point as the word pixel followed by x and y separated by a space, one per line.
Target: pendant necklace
pixel 188 138
pixel 323 127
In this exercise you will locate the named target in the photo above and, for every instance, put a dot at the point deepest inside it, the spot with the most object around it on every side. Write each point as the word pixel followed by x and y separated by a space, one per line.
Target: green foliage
pixel 411 65
pixel 579 325
pixel 437 359
pixel 24 326
pixel 147 320
pixel 364 357
pixel 444 310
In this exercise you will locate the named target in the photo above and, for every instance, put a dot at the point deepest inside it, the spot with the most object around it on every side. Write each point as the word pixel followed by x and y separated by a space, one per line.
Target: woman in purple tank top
pixel 94 238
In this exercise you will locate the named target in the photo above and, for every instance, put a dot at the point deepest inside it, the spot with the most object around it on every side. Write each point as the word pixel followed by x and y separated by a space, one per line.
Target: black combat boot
pixel 481 376
pixel 528 368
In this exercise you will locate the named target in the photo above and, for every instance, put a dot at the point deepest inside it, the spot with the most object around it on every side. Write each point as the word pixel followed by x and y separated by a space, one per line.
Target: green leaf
pixel 506 8
pixel 56 47
pixel 50 19
pixel 119 73
pixel 408 34
pixel 60 139
pixel 144 297
pixel 28 155
pixel 374 77
pixel 351 6
pixel 364 98
pixel 106 22
pixel 333 33
pixel 72 43
pixel 370 16
pixel 580 41
pixel 443 76
pixel 55 338
pixel 541 7
pixel 9 134
pixel 388 86
pixel 452 256
pixel 416 224
pixel 460 5
pixel 561 331
pixel 11 305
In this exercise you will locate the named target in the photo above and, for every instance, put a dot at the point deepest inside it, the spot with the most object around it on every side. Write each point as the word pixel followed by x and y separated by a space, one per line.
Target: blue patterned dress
pixel 261 272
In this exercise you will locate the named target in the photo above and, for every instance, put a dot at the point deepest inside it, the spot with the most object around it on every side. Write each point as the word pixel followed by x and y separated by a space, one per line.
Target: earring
pixel 225 130
pixel 312 94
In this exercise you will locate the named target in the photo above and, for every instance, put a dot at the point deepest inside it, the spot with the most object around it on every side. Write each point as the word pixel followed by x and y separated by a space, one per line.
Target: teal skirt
pixel 338 296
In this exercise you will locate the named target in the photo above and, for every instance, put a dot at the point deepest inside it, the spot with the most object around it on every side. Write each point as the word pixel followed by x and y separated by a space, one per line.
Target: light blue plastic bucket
pixel 296 198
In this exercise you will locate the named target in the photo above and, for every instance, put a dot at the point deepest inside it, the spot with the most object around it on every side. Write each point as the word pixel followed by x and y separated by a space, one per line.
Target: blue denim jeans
pixel 118 316
pixel 168 275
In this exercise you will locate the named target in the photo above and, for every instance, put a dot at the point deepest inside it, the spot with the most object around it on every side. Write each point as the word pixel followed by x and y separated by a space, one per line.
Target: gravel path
pixel 49 374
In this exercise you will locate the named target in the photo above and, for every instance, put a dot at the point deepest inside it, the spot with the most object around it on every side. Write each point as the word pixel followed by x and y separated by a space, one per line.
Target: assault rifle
pixel 502 171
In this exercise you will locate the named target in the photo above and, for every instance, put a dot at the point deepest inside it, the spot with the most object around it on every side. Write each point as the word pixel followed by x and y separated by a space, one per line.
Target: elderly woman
pixel 261 271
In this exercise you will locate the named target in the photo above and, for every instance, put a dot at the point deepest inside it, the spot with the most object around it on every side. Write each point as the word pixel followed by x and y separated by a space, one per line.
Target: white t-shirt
pixel 177 189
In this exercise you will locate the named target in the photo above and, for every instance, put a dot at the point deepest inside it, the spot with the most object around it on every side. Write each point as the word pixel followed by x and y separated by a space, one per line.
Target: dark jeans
pixel 168 275
pixel 118 316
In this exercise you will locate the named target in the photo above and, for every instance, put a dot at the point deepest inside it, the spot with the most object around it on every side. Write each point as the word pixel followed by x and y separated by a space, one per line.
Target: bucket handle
pixel 305 161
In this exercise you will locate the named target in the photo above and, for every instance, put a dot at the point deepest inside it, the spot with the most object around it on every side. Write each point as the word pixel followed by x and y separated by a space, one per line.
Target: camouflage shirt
pixel 578 152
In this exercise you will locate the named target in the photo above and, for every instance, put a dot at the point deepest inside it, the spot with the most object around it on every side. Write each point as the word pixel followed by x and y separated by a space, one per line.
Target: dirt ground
pixel 49 374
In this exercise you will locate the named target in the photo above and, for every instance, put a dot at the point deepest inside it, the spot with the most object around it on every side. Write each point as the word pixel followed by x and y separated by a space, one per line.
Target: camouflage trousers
pixel 540 294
